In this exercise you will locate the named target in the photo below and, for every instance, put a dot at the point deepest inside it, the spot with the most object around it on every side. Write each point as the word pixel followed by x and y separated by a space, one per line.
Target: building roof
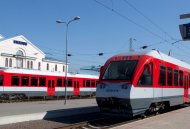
pixel 50 59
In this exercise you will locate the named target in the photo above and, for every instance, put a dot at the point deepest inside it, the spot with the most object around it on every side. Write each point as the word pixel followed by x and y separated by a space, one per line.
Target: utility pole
pixel 131 45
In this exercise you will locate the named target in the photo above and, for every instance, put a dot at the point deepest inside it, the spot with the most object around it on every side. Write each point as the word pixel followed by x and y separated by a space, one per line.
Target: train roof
pixel 44 73
pixel 159 55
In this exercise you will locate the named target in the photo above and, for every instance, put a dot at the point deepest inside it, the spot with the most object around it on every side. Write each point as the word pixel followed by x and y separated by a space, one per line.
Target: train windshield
pixel 120 70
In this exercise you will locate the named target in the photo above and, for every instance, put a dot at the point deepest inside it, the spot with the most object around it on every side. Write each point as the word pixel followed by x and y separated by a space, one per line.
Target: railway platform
pixel 178 119
pixel 38 110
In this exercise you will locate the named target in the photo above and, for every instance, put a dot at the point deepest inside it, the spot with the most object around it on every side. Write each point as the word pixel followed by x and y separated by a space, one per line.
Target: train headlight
pixel 102 85
pixel 125 86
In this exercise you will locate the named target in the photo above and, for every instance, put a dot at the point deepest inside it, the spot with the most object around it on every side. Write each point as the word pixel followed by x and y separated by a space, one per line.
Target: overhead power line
pixel 148 19
pixel 128 19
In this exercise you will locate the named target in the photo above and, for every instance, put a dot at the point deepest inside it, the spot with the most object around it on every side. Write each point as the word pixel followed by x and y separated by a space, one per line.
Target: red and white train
pixel 142 82
pixel 32 83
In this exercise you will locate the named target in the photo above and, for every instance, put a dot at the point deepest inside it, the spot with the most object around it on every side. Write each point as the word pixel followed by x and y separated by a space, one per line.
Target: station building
pixel 19 52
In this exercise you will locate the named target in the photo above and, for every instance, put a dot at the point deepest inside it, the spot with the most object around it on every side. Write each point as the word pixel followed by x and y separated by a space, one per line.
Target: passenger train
pixel 35 83
pixel 142 82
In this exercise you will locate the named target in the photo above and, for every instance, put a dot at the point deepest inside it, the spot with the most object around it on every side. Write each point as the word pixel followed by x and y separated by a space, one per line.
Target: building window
pixel 55 67
pixel 47 66
pixel 28 64
pixel 10 62
pixel 6 62
pixel 39 66
pixel 31 64
pixel 19 59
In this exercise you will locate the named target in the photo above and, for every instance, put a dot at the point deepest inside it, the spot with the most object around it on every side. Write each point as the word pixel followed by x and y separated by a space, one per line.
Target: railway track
pixel 17 100
pixel 114 121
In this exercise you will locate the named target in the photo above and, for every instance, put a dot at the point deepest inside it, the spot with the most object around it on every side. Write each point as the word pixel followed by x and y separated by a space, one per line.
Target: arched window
pixel 10 62
pixel 47 66
pixel 39 66
pixel 31 64
pixel 28 64
pixel 55 67
pixel 19 59
pixel 6 62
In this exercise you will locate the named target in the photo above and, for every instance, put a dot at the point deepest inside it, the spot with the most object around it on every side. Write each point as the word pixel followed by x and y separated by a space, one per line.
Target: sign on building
pixel 185 31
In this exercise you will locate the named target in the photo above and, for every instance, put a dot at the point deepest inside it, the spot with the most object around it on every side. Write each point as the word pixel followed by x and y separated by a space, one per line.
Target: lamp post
pixel 66 54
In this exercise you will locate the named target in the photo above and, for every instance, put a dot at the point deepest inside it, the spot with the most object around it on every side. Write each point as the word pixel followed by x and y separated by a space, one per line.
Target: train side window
pixel 15 80
pixel 25 81
pixel 162 77
pixel 170 76
pixel 189 80
pixel 75 84
pixel 42 81
pixel 1 80
pixel 181 78
pixel 70 83
pixel 84 83
pixel 146 76
pixel 87 83
pixel 175 77
pixel 34 81
pixel 93 83
pixel 59 82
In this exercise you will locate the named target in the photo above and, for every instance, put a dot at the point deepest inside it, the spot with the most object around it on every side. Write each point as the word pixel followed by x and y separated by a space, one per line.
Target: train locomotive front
pixel 136 83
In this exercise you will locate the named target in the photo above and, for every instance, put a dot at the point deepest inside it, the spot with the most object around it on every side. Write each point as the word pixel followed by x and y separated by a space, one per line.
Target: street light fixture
pixel 66 54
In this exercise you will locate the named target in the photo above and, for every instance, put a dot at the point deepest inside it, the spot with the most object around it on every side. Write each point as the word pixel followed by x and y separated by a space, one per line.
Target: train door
pixel 51 87
pixel 185 88
pixel 76 88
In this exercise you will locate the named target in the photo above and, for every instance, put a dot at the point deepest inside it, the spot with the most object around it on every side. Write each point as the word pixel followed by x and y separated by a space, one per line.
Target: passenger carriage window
pixel 181 78
pixel 15 80
pixel 25 81
pixel 1 80
pixel 170 76
pixel 34 81
pixel 162 77
pixel 70 83
pixel 175 77
pixel 42 81
pixel 189 80
pixel 146 76
pixel 87 83
pixel 52 84
pixel 84 83
pixel 59 82
pixel 93 83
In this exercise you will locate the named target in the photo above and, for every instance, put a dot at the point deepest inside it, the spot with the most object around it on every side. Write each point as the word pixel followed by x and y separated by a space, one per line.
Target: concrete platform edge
pixel 46 115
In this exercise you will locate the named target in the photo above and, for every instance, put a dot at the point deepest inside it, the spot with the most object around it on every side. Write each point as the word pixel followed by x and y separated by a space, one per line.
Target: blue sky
pixel 99 29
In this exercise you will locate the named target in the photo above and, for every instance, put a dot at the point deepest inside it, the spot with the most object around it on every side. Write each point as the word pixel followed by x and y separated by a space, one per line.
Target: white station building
pixel 19 52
